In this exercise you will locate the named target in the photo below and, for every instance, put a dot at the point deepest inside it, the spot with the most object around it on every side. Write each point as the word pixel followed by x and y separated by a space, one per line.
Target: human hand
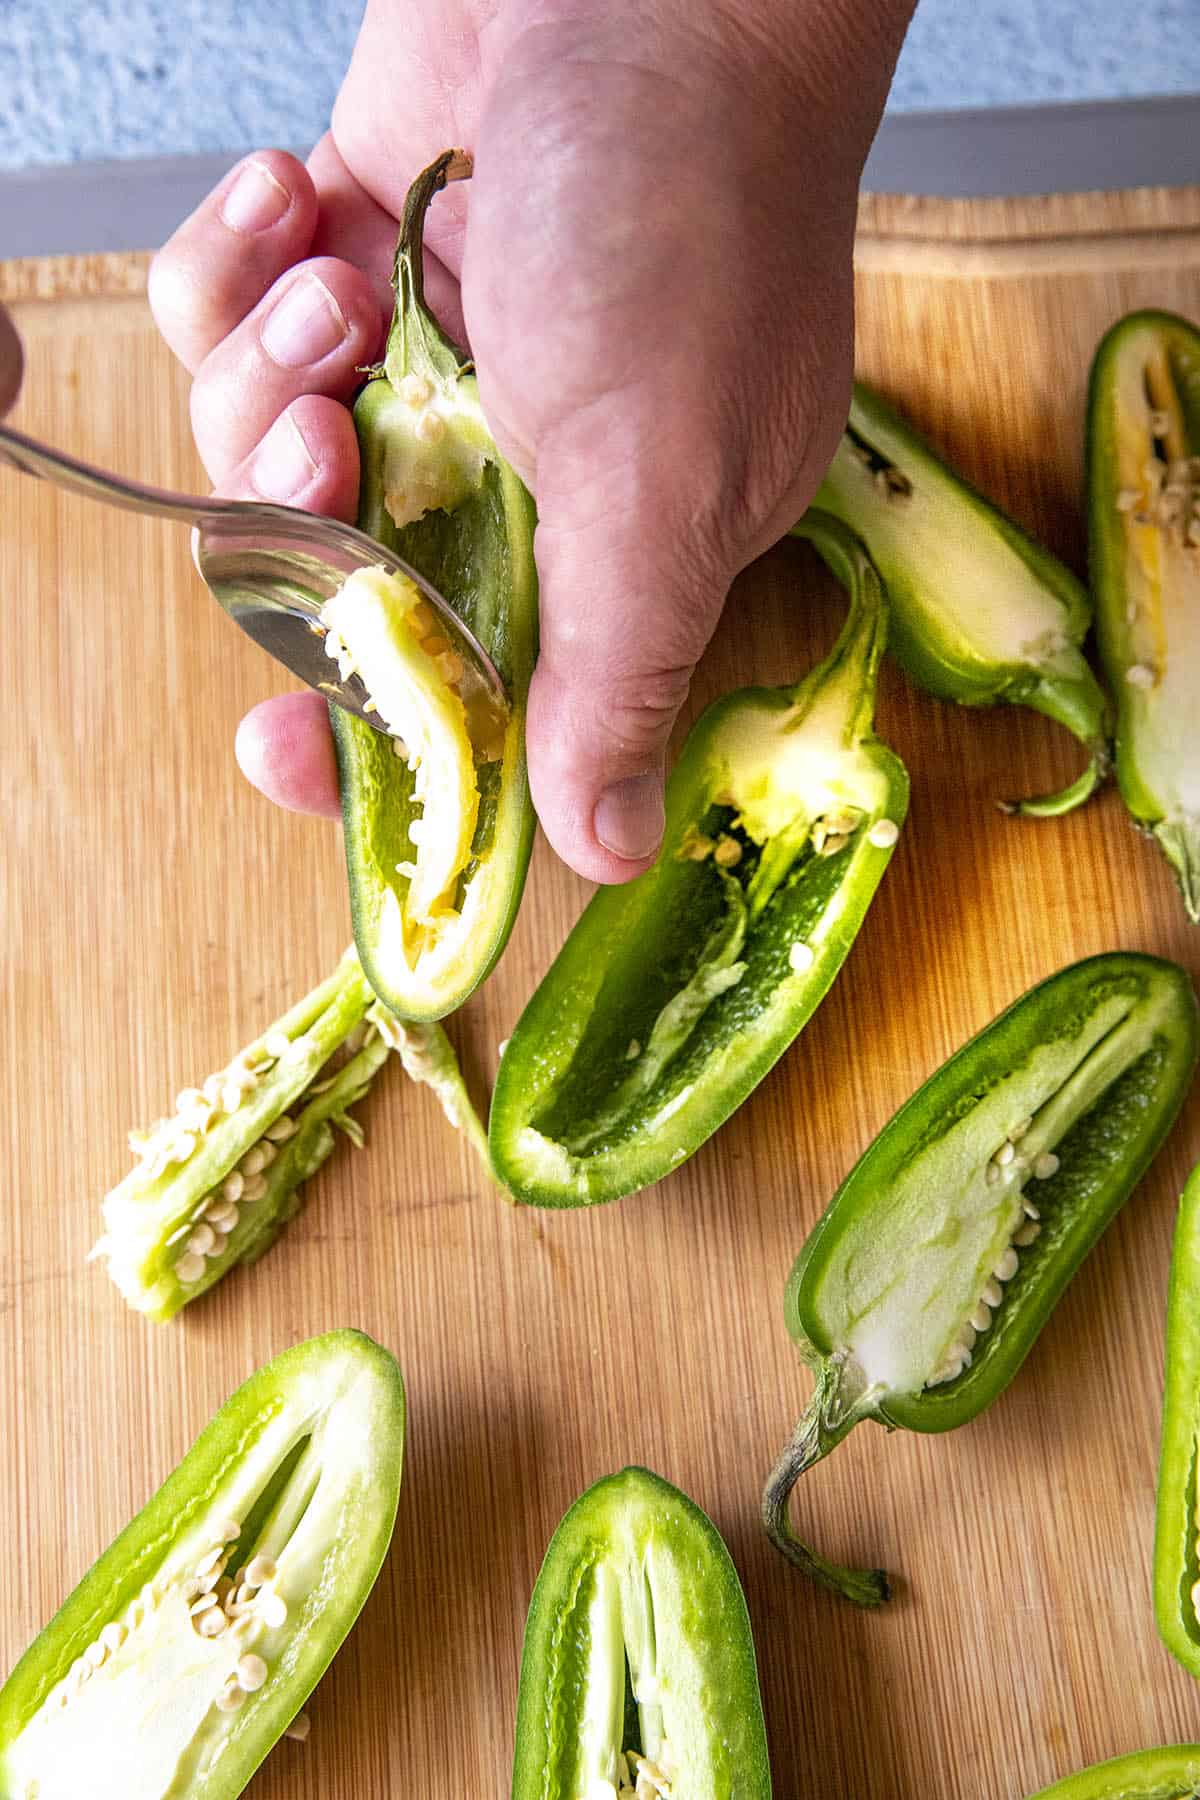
pixel 653 263
pixel 11 362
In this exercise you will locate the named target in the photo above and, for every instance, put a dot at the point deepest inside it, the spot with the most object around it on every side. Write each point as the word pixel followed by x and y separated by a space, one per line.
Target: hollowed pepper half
pixel 1144 544
pixel 1177 1532
pixel 638 1675
pixel 980 612
pixel 926 1282
pixel 675 994
pixel 1172 1773
pixel 192 1644
pixel 438 820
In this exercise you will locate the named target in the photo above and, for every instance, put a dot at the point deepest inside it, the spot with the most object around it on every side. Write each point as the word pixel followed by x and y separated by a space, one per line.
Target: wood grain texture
pixel 155 912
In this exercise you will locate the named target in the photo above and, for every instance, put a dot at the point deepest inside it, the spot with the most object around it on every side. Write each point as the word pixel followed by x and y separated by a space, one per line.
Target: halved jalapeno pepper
pixel 638 1675
pixel 1177 1532
pixel 1144 544
pixel 675 994
pixel 980 612
pixel 216 1182
pixel 436 490
pixel 926 1282
pixel 1169 1774
pixel 192 1644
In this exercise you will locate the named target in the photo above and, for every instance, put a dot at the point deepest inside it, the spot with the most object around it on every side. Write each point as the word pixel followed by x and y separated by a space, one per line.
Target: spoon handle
pixel 31 458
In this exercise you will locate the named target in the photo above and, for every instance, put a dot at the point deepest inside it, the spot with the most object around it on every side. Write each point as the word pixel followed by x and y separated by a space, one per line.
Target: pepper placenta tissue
pixel 675 994
pixel 638 1676
pixel 926 1282
pixel 192 1644
pixel 980 612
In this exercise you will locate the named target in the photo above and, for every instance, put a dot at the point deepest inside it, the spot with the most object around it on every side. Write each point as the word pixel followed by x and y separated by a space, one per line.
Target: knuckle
pixel 638 710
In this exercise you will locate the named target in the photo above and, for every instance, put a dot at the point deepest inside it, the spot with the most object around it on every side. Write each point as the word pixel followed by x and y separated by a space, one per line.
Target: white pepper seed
pixel 414 390
pixel 202 1605
pixel 1196 1598
pixel 1046 1165
pixel 187 1098
pixel 801 956
pixel 232 1186
pixel 277 1043
pixel 1140 675
pixel 224 1216
pixel 1128 499
pixel 1027 1206
pixel 190 1267
pixel 268 1153
pixel 281 1130
pixel 430 427
pixel 211 1623
pixel 254 1189
pixel 231 1096
pixel 1027 1234
pixel 212 1559
pixel 113 1636
pixel 993 1175
pixel 883 834
pixel 1004 1154
pixel 230 1697
pixel 274 1610
pixel 253 1162
pixel 993 1293
pixel 201 1240
pixel 96 1653
pixel 251 1672
pixel 1007 1265
pixel 981 1318
pixel 259 1571
pixel 1019 1129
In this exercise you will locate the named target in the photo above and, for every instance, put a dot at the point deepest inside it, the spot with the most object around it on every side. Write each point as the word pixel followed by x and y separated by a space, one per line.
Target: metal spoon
pixel 272 569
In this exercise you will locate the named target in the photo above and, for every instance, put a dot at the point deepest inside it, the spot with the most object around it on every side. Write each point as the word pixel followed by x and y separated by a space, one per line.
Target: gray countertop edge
pixel 135 204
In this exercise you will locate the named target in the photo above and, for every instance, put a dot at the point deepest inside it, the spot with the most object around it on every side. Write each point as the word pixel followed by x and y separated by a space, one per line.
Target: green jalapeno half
pixel 638 1675
pixel 1176 1543
pixel 438 820
pixel 675 994
pixel 192 1644
pixel 924 1285
pixel 1169 1774
pixel 980 613
pixel 1143 439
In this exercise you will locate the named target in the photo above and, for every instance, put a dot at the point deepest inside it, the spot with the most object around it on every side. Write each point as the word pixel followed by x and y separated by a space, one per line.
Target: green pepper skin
pixel 1176 1562
pixel 638 1595
pixel 1169 1774
pixel 1054 1111
pixel 1144 549
pixel 475 544
pixel 676 993
pixel 980 612
pixel 306 1458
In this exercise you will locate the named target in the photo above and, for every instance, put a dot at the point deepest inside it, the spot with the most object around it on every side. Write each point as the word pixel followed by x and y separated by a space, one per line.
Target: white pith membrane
pixel 150 1704
pixel 1158 498
pixel 1001 609
pixel 911 1291
pixel 621 1629
pixel 795 781
pixel 227 1134
pixel 379 627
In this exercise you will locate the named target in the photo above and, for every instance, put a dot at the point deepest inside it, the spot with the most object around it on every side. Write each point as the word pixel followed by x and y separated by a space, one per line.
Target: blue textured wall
pixel 157 77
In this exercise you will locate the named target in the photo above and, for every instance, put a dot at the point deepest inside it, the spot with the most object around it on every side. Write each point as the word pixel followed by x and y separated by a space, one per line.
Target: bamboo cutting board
pixel 155 912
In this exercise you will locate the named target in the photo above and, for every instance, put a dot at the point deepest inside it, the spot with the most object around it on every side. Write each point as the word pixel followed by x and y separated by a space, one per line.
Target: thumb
pixel 626 611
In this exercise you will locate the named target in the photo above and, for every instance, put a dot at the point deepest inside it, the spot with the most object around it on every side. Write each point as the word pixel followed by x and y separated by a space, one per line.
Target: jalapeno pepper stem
pixel 408 275
pixel 853 663
pixel 1076 701
pixel 823 1426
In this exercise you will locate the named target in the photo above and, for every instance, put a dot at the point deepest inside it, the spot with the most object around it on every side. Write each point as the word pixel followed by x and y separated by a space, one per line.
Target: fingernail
pixel 629 817
pixel 256 200
pixel 282 466
pixel 304 324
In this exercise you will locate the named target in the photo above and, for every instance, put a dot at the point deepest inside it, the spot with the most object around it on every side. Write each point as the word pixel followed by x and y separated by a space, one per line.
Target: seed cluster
pixel 1167 500
pixel 1196 1584
pixel 638 1777
pixel 217 1604
pixel 1007 1164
